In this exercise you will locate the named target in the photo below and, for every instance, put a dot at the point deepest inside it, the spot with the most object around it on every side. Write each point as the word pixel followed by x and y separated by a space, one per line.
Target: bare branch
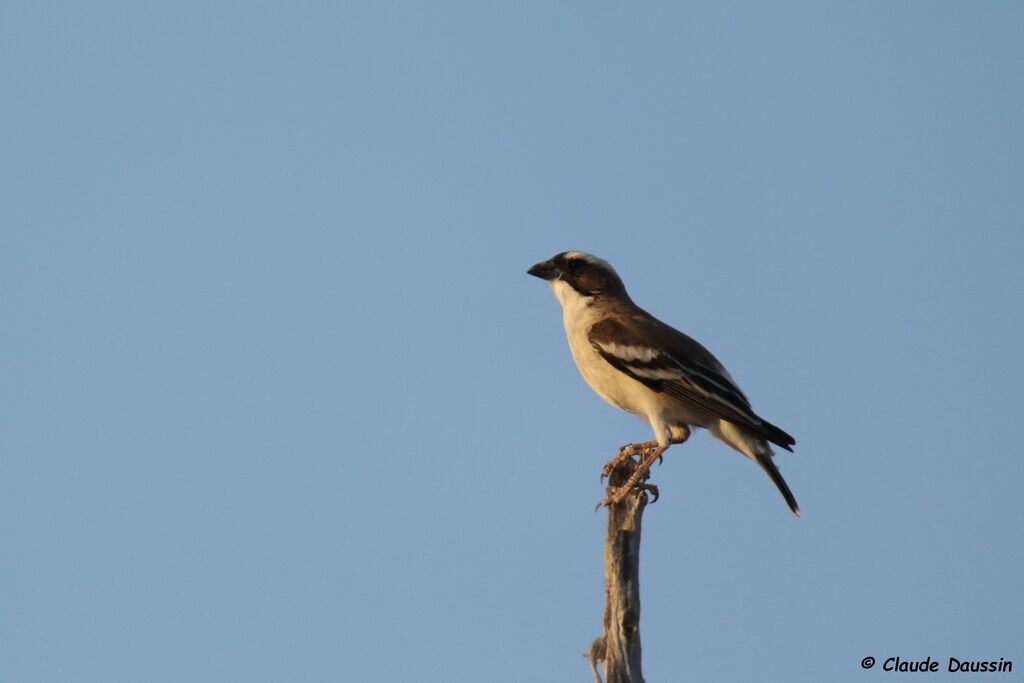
pixel 619 647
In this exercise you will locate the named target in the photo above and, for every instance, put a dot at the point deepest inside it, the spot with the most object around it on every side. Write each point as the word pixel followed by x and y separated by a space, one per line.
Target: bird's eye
pixel 575 263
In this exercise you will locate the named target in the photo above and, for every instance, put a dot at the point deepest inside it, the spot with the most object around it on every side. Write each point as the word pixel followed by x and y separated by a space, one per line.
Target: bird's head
pixel 584 274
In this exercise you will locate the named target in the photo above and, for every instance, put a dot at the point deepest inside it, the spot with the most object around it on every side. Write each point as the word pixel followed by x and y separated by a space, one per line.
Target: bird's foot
pixel 610 466
pixel 627 452
pixel 617 494
pixel 625 474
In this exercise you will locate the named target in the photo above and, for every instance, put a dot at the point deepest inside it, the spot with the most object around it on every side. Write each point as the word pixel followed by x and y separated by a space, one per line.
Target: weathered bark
pixel 618 648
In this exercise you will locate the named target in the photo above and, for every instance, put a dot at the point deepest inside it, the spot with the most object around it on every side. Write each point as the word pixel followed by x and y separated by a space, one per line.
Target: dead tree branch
pixel 618 648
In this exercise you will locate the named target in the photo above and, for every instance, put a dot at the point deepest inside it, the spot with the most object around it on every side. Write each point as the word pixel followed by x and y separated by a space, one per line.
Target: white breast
pixel 578 315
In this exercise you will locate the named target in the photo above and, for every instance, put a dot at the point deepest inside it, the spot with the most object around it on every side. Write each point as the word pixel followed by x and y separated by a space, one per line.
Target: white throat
pixel 574 305
pixel 566 295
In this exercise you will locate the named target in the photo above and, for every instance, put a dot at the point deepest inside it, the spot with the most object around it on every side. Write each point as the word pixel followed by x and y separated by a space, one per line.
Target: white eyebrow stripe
pixel 590 258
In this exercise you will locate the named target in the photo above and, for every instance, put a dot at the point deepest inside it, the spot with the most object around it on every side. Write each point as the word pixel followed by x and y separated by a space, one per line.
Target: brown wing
pixel 666 360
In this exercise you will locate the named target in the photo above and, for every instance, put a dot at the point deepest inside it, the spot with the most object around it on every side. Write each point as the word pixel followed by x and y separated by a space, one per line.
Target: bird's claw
pixel 653 489
pixel 618 494
pixel 606 471
pixel 625 453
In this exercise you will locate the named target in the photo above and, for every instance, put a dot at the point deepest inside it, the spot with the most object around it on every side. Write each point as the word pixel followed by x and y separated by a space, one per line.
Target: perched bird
pixel 639 364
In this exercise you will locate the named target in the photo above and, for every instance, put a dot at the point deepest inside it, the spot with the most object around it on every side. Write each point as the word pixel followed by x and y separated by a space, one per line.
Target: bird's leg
pixel 679 434
pixel 637 448
pixel 633 472
pixel 638 473
pixel 626 452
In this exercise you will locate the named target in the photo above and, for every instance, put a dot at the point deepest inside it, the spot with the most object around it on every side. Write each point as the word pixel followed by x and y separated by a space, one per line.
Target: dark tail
pixel 776 436
pixel 765 461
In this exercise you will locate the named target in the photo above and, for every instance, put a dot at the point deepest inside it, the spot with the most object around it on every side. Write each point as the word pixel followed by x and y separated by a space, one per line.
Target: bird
pixel 641 365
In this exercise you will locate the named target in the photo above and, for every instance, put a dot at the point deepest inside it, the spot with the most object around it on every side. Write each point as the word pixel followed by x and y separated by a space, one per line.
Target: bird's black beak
pixel 545 270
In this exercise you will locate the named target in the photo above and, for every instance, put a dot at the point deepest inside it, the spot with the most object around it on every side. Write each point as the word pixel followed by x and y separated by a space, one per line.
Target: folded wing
pixel 668 361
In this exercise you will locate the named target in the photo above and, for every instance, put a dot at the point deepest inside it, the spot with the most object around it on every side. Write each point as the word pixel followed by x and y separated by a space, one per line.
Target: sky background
pixel 280 403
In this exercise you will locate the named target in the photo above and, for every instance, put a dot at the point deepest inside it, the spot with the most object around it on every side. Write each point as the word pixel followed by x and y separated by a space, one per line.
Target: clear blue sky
pixel 280 403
